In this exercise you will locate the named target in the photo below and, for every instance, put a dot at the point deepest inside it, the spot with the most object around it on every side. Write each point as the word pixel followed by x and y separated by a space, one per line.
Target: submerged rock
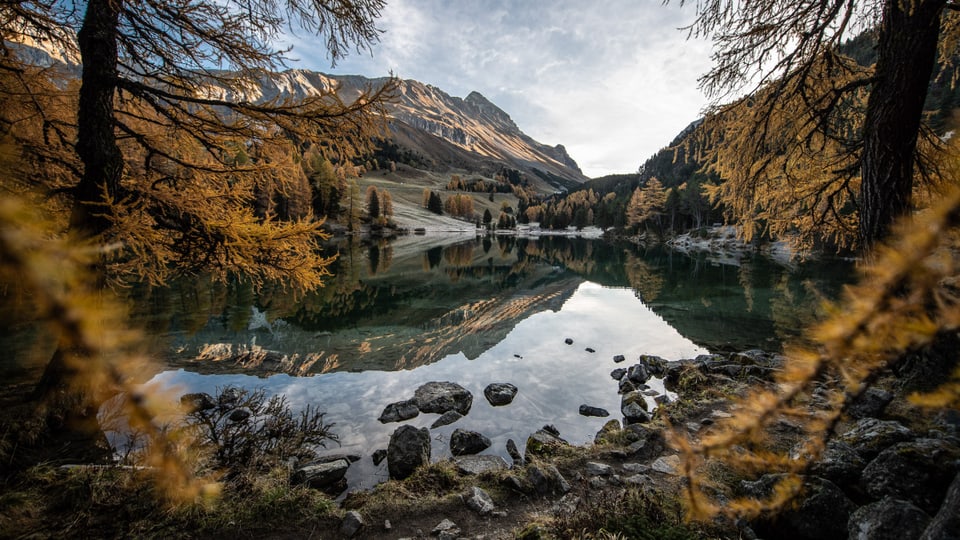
pixel 446 419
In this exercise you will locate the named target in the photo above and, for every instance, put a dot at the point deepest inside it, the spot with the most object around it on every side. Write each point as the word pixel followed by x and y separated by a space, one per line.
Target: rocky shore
pixel 891 471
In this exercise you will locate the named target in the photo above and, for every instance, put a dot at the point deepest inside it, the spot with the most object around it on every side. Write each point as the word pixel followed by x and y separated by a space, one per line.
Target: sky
pixel 612 80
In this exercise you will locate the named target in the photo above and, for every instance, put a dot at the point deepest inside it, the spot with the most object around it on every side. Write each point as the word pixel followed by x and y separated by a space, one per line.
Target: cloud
pixel 613 81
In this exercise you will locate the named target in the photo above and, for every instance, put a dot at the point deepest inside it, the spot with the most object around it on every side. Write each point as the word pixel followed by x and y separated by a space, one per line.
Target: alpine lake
pixel 547 314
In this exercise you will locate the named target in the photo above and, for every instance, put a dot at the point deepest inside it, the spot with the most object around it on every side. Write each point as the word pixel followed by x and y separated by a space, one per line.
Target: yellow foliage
pixel 904 298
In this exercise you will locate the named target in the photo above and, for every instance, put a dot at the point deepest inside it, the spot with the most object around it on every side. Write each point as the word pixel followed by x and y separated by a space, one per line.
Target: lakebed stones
pixel 500 394
pixel 464 442
pixel 440 397
pixel 409 448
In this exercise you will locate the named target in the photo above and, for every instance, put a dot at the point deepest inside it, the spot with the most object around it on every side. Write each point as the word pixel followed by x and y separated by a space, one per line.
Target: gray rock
pixel 590 350
pixel 635 467
pixel 197 402
pixel 568 341
pixel 654 365
pixel 608 432
pixel 463 442
pixel 321 475
pixel 887 519
pixel 587 410
pixel 618 373
pixel 638 373
pixel 667 465
pixel 546 479
pixel 946 524
pixel 543 443
pixel 351 524
pixel 446 419
pixel 633 406
pixel 499 394
pixel 840 464
pixel 566 505
pixel 919 471
pixel 399 411
pixel 870 436
pixel 593 468
pixel 409 448
pixel 479 501
pixel 870 404
pixel 514 453
pixel 440 397
pixel 821 512
pixel 240 415
pixel 378 456
pixel 638 480
pixel 619 358
pixel 446 527
pixel 474 465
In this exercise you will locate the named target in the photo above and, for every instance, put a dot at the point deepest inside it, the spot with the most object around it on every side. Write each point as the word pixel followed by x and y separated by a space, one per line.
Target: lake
pixel 475 311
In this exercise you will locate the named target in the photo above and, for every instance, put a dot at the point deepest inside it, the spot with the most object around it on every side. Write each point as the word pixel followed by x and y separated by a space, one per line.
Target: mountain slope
pixel 448 132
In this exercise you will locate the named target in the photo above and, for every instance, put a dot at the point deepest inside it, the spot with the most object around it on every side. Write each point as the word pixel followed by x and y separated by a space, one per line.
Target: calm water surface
pixel 475 312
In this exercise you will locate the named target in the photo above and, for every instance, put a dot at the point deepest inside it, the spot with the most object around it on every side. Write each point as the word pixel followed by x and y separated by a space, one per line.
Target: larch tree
pixel 822 142
pixel 160 149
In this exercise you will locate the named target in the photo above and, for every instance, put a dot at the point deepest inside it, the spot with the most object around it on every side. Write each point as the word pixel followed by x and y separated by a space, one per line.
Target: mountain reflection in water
pixel 487 310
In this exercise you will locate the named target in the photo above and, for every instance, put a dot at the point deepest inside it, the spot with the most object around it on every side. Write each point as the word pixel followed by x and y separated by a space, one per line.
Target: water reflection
pixel 392 308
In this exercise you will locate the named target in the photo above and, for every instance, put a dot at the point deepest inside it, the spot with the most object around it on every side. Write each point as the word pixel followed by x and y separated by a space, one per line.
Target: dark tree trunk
pixel 906 54
pixel 96 123
pixel 72 424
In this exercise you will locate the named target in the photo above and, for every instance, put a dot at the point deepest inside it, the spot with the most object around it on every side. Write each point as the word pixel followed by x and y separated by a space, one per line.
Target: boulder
pixel 820 512
pixel 608 433
pixel 321 475
pixel 587 410
pixel 840 464
pixel 887 519
pixel 514 453
pixel 870 436
pixel 399 411
pixel 593 468
pixel 440 397
pixel 446 419
pixel 351 524
pixel 474 465
pixel 499 394
pixel 409 448
pixel 918 471
pixel 654 365
pixel 870 404
pixel 619 358
pixel 241 414
pixel 378 456
pixel 478 500
pixel 197 402
pixel 546 479
pixel 468 442
pixel 618 373
pixel 543 443
pixel 633 407
pixel 946 524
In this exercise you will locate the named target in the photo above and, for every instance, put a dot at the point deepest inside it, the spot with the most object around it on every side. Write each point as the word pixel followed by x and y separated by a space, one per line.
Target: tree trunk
pixel 96 123
pixel 906 54
pixel 72 412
